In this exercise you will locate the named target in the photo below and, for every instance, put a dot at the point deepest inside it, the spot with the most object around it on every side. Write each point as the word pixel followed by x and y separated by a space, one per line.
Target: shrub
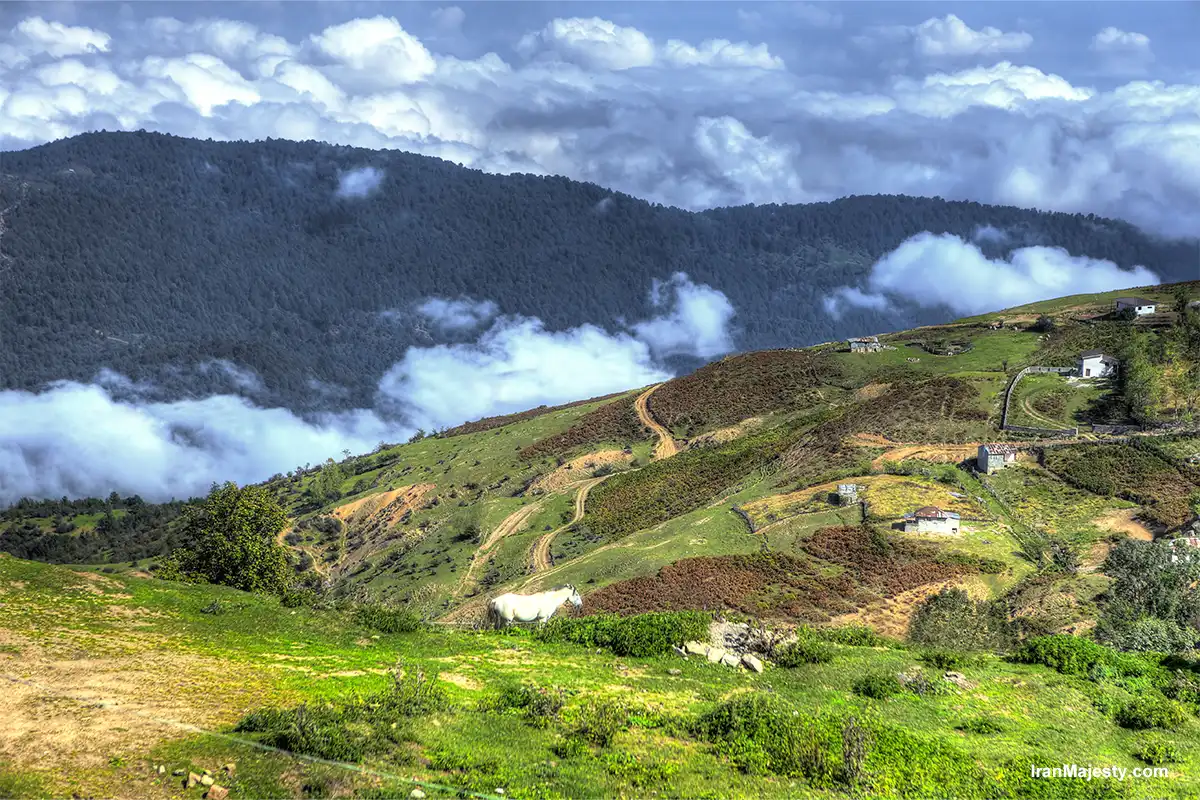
pixel 1072 655
pixel 386 619
pixel 600 721
pixel 570 746
pixel 1145 712
pixel 853 636
pixel 984 726
pixel 945 659
pixel 922 685
pixel 878 685
pixel 640 635
pixel 638 772
pixel 540 705
pixel 763 733
pixel 950 619
pixel 215 607
pixel 296 596
pixel 805 650
pixel 1156 753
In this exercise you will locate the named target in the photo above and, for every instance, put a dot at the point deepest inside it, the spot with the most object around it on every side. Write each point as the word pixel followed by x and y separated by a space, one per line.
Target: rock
pixel 230 769
pixel 416 794
pixel 179 773
pixel 192 780
pixel 752 663
pixel 207 780
pixel 161 770
pixel 715 654
pixel 679 650
pixel 730 660
pixel 674 671
pixel 216 793
pixel 206 772
pixel 959 680
pixel 695 648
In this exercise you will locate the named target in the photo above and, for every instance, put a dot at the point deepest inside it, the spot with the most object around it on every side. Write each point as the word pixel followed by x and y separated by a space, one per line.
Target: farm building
pixel 931 519
pixel 1095 364
pixel 865 344
pixel 1139 305
pixel 993 457
pixel 847 493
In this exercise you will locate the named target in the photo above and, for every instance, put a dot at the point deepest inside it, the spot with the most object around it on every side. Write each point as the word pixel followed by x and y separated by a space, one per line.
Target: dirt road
pixel 541 548
pixel 666 446
pixel 508 526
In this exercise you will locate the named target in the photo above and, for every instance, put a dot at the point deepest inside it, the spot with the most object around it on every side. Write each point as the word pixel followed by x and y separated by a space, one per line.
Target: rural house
pixel 865 344
pixel 931 519
pixel 847 493
pixel 993 457
pixel 1094 364
pixel 1139 305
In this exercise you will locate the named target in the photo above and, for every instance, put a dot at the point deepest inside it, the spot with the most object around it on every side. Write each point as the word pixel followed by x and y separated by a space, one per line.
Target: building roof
pixel 932 512
pixel 1000 449
pixel 1136 301
pixel 1100 355
pixel 866 339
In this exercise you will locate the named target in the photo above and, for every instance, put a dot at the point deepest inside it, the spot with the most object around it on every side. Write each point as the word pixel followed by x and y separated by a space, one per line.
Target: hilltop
pixel 245 252
pixel 1024 628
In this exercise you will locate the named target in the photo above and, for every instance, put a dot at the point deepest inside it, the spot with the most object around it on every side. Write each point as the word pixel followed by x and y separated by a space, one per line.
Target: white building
pixel 865 344
pixel 1140 305
pixel 931 519
pixel 993 457
pixel 1094 364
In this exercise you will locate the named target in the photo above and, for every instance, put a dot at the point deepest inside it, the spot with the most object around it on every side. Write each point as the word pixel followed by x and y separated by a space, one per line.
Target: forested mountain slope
pixel 150 254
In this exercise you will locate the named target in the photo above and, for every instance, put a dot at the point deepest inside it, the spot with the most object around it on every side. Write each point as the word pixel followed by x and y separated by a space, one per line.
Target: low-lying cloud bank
pixel 935 270
pixel 88 440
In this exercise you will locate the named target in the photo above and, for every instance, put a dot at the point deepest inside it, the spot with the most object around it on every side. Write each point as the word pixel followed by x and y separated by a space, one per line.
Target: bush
pixel 1141 713
pixel 984 726
pixel 297 596
pixel 951 620
pixel 1072 655
pixel 922 685
pixel 762 733
pixel 805 650
pixel 945 659
pixel 638 772
pixel 878 685
pixel 600 721
pixel 640 635
pixel 540 705
pixel 1156 753
pixel 386 619
pixel 214 608
pixel 853 636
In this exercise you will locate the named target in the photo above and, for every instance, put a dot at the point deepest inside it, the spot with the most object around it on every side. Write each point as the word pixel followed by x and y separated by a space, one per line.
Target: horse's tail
pixel 493 614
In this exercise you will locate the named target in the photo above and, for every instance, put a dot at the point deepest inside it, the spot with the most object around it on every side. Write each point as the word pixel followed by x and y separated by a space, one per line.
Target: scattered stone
pixel 161 770
pixel 207 780
pixel 499 791
pixel 674 671
pixel 206 772
pixel 752 662
pixel 216 793
pixel 715 654
pixel 416 794
pixel 730 660
pixel 230 769
pixel 179 773
pixel 695 648
pixel 959 680
pixel 192 780
pixel 679 650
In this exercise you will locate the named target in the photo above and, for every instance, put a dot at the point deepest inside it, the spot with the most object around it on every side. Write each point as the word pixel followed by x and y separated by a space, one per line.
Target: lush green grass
pixel 1134 473
pixel 1043 502
pixel 1054 401
pixel 1045 717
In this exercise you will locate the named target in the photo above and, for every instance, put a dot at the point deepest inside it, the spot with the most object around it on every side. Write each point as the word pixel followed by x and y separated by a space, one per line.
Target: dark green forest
pixel 150 254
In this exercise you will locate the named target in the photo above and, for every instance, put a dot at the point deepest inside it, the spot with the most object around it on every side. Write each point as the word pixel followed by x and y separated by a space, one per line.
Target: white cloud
pixel 934 270
pixel 359 182
pixel 449 18
pixel 35 35
pixel 1115 40
pixel 950 36
pixel 79 440
pixel 459 314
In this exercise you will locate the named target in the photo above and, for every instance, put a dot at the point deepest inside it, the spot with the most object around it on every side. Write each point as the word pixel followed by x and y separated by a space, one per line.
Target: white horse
pixel 509 608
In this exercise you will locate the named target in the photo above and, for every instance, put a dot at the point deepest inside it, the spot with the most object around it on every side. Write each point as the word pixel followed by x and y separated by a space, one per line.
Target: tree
pixel 327 485
pixel 233 540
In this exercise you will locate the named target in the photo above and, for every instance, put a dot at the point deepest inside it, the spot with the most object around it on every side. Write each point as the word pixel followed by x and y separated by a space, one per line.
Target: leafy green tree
pixel 327 485
pixel 233 540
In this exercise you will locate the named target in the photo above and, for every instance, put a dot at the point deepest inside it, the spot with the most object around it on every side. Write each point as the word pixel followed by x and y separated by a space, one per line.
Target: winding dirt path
pixel 666 446
pixel 508 526
pixel 541 548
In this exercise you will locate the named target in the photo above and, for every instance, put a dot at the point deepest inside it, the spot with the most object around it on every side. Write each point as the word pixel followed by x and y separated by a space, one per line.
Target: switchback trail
pixel 541 548
pixel 509 525
pixel 666 446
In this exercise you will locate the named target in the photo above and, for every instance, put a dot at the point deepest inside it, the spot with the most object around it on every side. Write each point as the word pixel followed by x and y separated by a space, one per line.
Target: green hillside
pixel 1054 624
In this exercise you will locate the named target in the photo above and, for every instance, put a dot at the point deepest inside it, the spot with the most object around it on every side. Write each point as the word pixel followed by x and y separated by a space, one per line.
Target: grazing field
pixel 1137 474
pixel 116 670
pixel 1042 501
pixel 1054 401
pixel 742 386
pixel 887 496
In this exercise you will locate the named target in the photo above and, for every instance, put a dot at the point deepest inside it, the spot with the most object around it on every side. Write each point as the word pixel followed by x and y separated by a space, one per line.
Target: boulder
pixel 731 660
pixel 416 794
pixel 959 680
pixel 179 773
pixel 752 662
pixel 216 793
pixel 230 769
pixel 679 650
pixel 695 648
pixel 207 780
pixel 674 671
pixel 161 770
pixel 192 780
pixel 715 654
